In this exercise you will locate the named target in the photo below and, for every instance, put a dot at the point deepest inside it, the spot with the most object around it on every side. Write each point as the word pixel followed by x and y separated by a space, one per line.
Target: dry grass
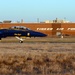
pixel 37 58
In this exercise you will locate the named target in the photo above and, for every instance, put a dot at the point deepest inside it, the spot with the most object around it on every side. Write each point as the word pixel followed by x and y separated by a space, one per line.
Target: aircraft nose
pixel 37 34
pixel 41 34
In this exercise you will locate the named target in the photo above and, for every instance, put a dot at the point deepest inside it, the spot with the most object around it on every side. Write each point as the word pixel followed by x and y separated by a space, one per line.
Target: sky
pixel 32 10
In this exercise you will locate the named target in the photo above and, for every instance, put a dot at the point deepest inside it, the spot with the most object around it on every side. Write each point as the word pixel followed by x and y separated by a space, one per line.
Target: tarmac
pixel 39 39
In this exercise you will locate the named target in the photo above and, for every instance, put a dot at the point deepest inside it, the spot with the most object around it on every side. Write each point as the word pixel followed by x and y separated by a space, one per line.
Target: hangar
pixel 51 29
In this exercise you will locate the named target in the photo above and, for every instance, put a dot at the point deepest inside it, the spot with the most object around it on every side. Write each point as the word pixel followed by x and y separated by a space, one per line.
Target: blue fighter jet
pixel 18 32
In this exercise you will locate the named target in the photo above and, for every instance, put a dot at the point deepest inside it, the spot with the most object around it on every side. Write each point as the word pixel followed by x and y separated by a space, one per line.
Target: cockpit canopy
pixel 19 27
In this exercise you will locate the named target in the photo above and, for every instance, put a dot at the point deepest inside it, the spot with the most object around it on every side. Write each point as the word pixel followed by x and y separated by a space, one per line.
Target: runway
pixel 12 45
pixel 18 48
pixel 39 39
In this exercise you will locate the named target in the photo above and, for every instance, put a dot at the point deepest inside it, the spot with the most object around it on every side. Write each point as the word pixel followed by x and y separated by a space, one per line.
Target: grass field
pixel 37 57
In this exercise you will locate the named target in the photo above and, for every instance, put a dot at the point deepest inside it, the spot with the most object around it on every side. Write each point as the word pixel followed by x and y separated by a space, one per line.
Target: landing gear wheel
pixel 21 41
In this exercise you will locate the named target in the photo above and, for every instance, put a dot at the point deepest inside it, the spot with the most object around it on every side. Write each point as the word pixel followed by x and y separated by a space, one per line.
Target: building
pixel 51 29
pixel 6 21
pixel 57 21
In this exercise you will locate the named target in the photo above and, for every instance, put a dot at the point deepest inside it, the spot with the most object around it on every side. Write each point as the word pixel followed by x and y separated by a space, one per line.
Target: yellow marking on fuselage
pixel 17 34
